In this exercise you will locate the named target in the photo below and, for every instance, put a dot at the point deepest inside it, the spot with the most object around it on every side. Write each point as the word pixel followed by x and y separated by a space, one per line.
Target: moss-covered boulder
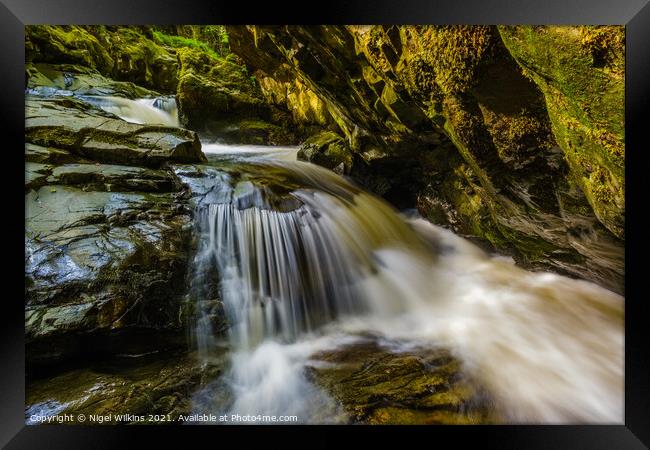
pixel 121 53
pixel 65 79
pixel 138 58
pixel 66 45
pixel 329 150
pixel 122 390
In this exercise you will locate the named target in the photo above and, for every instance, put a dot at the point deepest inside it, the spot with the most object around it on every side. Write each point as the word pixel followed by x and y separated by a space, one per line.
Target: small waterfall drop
pixel 290 261
pixel 305 261
pixel 149 111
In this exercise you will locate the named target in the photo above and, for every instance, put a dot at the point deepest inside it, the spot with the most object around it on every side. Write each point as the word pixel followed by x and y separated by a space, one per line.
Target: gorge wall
pixel 511 134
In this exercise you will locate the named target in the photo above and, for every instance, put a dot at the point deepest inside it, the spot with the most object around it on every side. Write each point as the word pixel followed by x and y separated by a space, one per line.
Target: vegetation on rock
pixel 390 90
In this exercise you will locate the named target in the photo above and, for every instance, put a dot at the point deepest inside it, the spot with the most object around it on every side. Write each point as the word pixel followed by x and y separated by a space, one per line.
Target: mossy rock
pixel 423 386
pixel 66 45
pixel 121 53
pixel 212 89
pixel 49 80
pixel 580 70
pixel 329 150
pixel 389 88
pixel 124 386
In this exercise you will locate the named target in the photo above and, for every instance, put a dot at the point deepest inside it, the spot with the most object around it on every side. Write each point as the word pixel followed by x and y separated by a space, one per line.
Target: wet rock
pixel 92 265
pixel 49 155
pixel 379 385
pixel 107 245
pixel 86 131
pixel 48 80
pixel 107 177
pixel 124 385
pixel 329 150
pixel 254 186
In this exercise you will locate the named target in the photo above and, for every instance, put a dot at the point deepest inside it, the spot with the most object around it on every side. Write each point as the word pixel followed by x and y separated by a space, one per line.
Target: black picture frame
pixel 634 14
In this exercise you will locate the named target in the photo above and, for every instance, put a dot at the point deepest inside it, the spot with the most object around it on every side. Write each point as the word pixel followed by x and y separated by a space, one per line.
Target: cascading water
pixel 307 261
pixel 150 111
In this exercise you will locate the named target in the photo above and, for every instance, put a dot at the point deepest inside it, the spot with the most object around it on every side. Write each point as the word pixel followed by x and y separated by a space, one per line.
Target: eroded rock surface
pixel 123 387
pixel 107 245
pixel 379 385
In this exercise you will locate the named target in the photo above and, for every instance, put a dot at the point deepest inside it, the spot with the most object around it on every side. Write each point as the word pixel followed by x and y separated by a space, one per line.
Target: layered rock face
pixel 511 134
pixel 108 229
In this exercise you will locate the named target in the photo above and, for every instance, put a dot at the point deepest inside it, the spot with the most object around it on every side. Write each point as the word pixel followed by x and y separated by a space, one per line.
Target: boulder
pixel 121 53
pixel 376 385
pixel 329 150
pixel 49 79
pixel 108 231
pixel 211 89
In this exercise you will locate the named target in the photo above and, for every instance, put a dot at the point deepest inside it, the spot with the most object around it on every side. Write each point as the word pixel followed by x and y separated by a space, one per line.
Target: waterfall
pixel 149 111
pixel 304 261
pixel 288 263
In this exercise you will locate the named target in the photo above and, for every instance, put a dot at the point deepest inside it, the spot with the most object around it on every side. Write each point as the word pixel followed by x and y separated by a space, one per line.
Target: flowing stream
pixel 151 111
pixel 307 261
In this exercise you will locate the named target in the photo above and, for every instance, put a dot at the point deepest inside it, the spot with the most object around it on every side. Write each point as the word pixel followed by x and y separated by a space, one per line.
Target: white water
pixel 149 111
pixel 548 348
pixel 259 152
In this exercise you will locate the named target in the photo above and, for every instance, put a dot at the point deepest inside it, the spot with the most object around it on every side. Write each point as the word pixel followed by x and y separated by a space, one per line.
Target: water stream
pixel 307 261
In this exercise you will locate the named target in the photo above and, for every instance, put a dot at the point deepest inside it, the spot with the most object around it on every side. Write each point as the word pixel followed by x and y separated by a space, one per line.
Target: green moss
pixel 180 41
pixel 327 149
pixel 376 386
pixel 606 45
pixel 66 44
pixel 214 89
pixel 454 53
pixel 580 72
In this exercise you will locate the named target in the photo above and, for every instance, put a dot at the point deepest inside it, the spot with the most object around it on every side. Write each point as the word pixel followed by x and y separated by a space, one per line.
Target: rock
pixel 66 45
pixel 212 89
pixel 126 385
pixel 253 187
pixel 89 132
pixel 48 155
pixel 93 266
pixel 378 386
pixel 106 177
pixel 48 79
pixel 107 245
pixel 121 53
pixel 404 94
pixel 329 150
pixel 581 71
pixel 138 58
